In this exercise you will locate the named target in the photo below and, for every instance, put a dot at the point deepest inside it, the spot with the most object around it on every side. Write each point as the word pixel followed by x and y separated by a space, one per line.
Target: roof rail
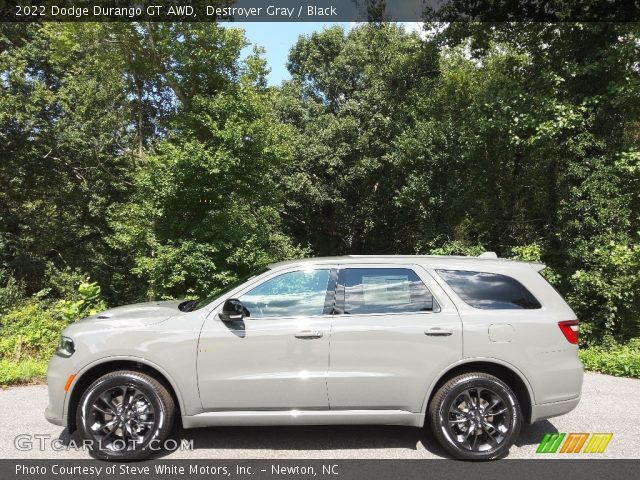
pixel 488 255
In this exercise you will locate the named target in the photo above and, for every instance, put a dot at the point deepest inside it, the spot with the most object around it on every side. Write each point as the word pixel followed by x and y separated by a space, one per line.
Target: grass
pixel 23 371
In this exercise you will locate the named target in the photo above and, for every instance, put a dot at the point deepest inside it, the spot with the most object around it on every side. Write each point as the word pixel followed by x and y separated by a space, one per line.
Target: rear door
pixel 396 331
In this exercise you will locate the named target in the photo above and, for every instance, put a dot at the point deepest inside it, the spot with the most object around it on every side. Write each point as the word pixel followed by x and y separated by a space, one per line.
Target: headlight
pixel 65 347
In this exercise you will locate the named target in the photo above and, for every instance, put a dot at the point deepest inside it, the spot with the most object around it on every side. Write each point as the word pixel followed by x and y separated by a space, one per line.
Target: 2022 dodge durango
pixel 471 347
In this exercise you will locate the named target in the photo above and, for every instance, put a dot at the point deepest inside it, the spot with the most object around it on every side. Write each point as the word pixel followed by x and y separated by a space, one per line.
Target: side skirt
pixel 303 417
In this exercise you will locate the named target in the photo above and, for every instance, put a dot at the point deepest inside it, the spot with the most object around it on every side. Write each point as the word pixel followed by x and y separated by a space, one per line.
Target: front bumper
pixel 554 409
pixel 57 375
pixel 53 417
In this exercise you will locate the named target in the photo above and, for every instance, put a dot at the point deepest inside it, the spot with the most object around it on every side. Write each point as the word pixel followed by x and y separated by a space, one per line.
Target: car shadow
pixel 343 437
pixel 296 438
pixel 65 438
pixel 533 433
pixel 309 438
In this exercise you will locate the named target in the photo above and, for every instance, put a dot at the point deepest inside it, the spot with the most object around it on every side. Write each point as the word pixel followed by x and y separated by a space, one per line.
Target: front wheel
pixel 125 415
pixel 475 416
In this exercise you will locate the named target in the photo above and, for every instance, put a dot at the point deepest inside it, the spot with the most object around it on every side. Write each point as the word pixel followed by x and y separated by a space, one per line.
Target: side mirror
pixel 233 310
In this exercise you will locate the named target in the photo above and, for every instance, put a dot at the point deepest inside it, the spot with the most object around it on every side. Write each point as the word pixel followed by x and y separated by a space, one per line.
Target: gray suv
pixel 473 347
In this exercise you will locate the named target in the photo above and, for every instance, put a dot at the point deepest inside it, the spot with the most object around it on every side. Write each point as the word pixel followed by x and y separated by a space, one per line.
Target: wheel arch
pixel 95 370
pixel 506 372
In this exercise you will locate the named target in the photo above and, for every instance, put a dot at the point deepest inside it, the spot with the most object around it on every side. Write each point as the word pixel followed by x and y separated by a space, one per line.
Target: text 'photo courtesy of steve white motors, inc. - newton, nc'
pixel 191 469
pixel 273 12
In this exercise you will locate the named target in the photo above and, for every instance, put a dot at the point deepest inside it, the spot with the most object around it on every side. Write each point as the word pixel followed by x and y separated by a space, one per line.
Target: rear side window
pixel 385 290
pixel 489 291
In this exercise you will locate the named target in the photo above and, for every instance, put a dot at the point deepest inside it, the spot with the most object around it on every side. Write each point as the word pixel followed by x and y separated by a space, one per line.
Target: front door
pixel 277 357
pixel 398 330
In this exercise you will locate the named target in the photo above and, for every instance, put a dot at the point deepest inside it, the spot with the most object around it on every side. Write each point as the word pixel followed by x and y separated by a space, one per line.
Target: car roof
pixel 445 260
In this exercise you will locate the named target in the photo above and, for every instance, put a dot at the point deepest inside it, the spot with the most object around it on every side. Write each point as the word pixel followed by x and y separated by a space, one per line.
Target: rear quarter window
pixel 489 291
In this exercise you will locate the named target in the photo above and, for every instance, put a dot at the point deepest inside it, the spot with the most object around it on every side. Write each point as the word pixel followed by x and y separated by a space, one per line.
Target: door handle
pixel 308 334
pixel 438 332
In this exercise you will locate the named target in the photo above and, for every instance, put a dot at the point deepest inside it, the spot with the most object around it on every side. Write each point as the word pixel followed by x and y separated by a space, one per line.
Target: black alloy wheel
pixel 125 415
pixel 475 416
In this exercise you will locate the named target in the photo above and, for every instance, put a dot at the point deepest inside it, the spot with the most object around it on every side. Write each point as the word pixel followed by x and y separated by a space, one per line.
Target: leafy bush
pixel 606 295
pixel 31 330
pixel 62 283
pixel 457 247
pixel 89 303
pixel 618 360
pixel 11 293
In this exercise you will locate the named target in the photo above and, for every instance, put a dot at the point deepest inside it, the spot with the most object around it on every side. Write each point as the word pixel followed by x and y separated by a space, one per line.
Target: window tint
pixel 489 291
pixel 385 290
pixel 293 294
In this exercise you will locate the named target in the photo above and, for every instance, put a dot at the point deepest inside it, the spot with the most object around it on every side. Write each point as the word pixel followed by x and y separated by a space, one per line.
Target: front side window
pixel 294 294
pixel 385 290
pixel 489 291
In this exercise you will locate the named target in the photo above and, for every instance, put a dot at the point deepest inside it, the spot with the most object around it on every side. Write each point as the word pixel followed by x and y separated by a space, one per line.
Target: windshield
pixel 191 305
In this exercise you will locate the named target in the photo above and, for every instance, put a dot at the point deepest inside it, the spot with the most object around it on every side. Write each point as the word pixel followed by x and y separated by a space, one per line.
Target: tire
pixel 125 415
pixel 475 416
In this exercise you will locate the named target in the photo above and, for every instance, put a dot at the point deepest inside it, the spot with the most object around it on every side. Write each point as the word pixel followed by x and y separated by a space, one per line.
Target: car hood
pixel 141 314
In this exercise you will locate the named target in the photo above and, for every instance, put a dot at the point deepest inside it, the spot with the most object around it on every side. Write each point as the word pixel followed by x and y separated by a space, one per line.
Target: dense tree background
pixel 155 161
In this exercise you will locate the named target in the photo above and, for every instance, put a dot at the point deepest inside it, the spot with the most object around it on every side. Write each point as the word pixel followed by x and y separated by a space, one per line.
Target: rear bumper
pixel 548 410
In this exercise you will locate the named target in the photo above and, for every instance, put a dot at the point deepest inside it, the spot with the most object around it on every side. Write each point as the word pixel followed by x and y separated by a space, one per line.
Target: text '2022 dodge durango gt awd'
pixel 473 347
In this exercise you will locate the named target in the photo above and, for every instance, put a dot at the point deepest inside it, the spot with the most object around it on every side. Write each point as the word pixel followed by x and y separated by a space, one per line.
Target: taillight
pixel 570 330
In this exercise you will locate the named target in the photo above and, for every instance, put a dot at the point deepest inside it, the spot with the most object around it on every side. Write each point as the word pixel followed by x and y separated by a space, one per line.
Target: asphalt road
pixel 608 404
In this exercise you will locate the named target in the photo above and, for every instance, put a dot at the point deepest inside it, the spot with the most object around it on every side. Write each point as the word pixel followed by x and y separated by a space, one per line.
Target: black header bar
pixel 320 10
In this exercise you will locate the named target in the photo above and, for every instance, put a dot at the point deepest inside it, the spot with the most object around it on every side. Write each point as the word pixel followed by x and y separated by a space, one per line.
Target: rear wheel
pixel 125 415
pixel 475 416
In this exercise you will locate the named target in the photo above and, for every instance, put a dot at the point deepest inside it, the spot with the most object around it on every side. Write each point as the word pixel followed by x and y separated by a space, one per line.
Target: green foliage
pixel 63 159
pixel 458 247
pixel 11 293
pixel 89 303
pixel 606 292
pixel 156 160
pixel 207 206
pixel 22 371
pixel 61 283
pixel 618 360
pixel 349 98
pixel 527 253
pixel 31 329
